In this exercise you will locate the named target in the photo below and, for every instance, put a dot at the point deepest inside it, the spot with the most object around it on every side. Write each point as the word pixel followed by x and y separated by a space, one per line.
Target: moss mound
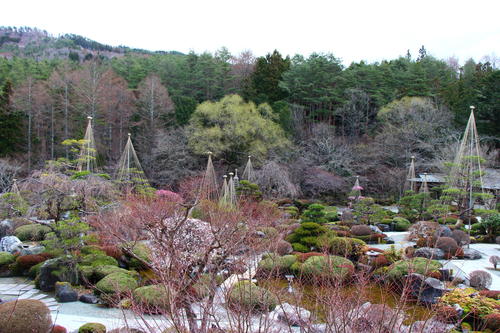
pixel 418 265
pixel 154 298
pixel 276 263
pixel 98 259
pixel 248 296
pixel 6 258
pixel 327 267
pixel 32 232
pixel 92 328
pixel 116 283
pixel 401 224
pixel 24 316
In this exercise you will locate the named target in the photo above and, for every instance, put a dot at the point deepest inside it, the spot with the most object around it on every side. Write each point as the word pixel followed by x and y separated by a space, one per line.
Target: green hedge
pixel 32 232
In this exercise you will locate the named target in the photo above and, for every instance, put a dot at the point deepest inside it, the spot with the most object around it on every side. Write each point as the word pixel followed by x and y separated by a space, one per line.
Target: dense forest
pixel 311 123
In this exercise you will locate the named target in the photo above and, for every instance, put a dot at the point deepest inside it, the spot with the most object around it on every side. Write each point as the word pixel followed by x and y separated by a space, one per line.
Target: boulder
pixel 443 231
pixel 472 254
pixel 25 250
pixel 58 269
pixel 375 229
pixel 292 315
pixel 89 299
pixel 388 240
pixel 429 253
pixel 384 227
pixel 65 293
pixel 9 243
pixel 6 228
pixel 425 290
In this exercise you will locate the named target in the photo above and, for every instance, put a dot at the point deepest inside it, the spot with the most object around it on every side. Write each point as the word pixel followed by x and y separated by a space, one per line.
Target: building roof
pixel 491 178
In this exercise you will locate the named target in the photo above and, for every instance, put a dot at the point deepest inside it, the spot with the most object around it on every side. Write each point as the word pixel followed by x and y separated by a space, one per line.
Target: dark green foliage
pixel 314 213
pixel 249 190
pixel 11 134
pixel 307 236
pixel 184 108
pixel 263 84
pixel 246 295
pixel 32 232
pixel 139 250
pixel 69 235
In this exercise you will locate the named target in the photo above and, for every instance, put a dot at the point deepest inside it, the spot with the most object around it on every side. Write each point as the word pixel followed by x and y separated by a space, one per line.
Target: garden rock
pixel 6 228
pixel 429 253
pixel 291 315
pixel 443 231
pixel 24 250
pixel 388 240
pixel 9 243
pixel 472 254
pixel 65 293
pixel 89 299
pixel 59 269
pixel 375 229
pixel 384 227
pixel 426 290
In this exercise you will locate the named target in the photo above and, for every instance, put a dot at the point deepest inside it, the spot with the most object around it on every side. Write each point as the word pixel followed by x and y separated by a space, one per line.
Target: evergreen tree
pixel 10 123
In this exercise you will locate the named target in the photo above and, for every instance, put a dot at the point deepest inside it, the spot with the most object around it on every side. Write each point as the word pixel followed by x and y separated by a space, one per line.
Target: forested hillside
pixel 314 122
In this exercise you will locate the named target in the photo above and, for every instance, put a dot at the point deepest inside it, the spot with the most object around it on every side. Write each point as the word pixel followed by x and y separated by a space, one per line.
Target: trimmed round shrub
pixel 480 279
pixel 300 248
pixel 92 328
pixel 116 283
pixel 6 258
pixel 361 230
pixel 153 298
pixel 418 265
pixel 32 232
pixel 283 247
pixel 401 224
pixel 448 245
pixel 461 237
pixel 495 260
pixel 327 267
pixel 58 329
pixel 25 316
pixel 492 321
pixel 246 295
pixel 343 246
pixel 101 272
pixel 277 264
pixel 98 260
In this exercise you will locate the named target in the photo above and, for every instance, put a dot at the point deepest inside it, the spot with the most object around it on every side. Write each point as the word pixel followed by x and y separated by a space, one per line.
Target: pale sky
pixel 369 30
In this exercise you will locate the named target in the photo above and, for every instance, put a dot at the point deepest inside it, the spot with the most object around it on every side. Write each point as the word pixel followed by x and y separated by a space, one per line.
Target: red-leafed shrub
pixel 343 233
pixel 436 275
pixel 30 260
pixel 381 261
pixel 375 249
pixel 361 230
pixel 58 329
pixel 495 294
pixel 459 253
pixel 492 321
pixel 448 245
pixel 112 251
pixel 447 314
pixel 304 256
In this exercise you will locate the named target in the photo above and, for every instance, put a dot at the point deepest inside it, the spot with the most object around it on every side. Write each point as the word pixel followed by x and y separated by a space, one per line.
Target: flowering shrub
pixel 169 196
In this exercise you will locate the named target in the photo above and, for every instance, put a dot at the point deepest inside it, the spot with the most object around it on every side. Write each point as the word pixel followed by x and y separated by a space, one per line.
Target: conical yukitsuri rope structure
pixel 209 189
pixel 87 156
pixel 248 173
pixel 129 168
pixel 409 183
pixel 232 190
pixel 225 191
pixel 14 188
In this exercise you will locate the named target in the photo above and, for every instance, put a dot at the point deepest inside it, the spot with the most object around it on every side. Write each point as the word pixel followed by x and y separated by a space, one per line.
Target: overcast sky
pixel 352 30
